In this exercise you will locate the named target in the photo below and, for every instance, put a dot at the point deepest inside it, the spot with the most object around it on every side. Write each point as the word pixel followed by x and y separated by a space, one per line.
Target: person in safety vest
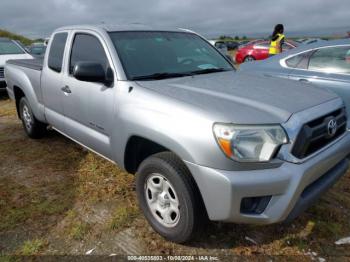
pixel 277 40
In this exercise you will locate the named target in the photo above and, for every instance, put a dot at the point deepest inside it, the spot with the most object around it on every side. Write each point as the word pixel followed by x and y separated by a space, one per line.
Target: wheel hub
pixel 162 200
pixel 27 117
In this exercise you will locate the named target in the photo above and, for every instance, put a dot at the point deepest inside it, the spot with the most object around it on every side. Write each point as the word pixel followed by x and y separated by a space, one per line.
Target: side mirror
pixel 93 72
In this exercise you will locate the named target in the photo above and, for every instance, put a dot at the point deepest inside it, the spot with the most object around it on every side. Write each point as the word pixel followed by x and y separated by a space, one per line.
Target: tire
pixel 33 127
pixel 248 58
pixel 172 174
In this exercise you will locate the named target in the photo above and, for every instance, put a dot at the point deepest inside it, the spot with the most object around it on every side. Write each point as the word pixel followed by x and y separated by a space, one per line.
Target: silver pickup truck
pixel 204 141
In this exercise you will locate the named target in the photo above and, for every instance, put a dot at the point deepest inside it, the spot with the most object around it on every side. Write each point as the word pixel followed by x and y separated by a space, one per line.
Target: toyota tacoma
pixel 204 141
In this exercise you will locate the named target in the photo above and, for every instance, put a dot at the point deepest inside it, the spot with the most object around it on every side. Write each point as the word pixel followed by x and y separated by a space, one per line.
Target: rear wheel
pixel 169 198
pixel 33 127
pixel 248 58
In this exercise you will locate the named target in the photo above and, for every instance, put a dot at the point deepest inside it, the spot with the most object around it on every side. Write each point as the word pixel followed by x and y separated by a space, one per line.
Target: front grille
pixel 314 135
pixel 1 72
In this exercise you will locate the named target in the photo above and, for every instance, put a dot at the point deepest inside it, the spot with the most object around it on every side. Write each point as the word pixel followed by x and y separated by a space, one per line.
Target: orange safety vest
pixel 275 46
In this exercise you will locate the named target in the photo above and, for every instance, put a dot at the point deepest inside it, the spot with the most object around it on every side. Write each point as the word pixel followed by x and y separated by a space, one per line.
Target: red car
pixel 258 50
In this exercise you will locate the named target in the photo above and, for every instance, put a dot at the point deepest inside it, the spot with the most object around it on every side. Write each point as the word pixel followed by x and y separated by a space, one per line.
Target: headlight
pixel 250 143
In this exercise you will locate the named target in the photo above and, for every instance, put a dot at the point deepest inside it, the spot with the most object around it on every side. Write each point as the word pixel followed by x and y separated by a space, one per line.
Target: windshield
pixel 9 48
pixel 158 55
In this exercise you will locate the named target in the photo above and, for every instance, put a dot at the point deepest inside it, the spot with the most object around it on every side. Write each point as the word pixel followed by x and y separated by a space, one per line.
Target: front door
pixel 89 106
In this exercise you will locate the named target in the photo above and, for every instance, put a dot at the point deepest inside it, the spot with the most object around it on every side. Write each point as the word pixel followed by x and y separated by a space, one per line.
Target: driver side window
pixel 87 48
pixel 331 60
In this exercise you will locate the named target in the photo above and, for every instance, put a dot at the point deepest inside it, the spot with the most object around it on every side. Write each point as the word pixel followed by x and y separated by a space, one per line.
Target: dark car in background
pixel 259 50
pixel 232 45
pixel 326 64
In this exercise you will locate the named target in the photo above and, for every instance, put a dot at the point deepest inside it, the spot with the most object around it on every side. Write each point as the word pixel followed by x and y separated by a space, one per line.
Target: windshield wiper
pixel 158 76
pixel 164 75
pixel 209 70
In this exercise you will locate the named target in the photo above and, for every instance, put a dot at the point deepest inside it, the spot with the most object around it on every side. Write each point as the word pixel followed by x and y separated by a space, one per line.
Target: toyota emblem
pixel 332 127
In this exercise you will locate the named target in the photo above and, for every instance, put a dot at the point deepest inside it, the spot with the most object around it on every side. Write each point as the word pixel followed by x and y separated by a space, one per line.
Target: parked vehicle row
pixel 204 141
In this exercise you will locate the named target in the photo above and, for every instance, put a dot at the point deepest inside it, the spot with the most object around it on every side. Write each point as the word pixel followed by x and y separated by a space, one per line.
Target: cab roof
pixel 122 27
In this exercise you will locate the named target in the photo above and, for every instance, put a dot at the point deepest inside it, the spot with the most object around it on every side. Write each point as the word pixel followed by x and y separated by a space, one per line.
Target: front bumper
pixel 292 187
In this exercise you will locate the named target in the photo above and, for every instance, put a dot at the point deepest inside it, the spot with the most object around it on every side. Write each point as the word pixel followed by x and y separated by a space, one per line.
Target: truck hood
pixel 4 58
pixel 241 98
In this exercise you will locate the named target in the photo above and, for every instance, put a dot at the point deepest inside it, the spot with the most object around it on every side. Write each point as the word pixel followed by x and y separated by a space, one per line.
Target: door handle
pixel 304 80
pixel 66 89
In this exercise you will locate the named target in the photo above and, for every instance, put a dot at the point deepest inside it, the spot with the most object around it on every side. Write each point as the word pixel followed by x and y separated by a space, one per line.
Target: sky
pixel 211 18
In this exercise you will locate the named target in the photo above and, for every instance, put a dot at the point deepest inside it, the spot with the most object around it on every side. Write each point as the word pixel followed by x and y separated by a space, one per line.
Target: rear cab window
pixel 55 59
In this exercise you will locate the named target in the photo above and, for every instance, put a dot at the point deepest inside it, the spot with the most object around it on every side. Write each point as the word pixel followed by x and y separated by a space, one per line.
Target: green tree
pixel 225 37
pixel 7 34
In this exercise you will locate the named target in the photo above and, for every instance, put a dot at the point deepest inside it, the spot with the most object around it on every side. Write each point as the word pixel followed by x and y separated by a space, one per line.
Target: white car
pixel 9 50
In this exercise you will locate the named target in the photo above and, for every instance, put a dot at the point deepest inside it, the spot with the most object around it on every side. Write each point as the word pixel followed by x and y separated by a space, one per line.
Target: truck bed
pixel 36 64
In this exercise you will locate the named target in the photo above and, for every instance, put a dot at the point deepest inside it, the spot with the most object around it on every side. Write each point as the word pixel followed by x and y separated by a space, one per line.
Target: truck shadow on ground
pixel 3 95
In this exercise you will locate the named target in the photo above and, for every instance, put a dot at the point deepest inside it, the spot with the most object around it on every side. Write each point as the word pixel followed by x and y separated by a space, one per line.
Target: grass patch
pixel 300 243
pixel 32 247
pixel 329 229
pixel 20 203
pixel 8 108
pixel 100 180
pixel 78 230
pixel 9 258
pixel 122 217
pixel 75 228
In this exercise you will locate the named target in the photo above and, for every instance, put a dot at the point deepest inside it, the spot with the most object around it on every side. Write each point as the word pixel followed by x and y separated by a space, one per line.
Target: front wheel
pixel 169 198
pixel 248 58
pixel 33 127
